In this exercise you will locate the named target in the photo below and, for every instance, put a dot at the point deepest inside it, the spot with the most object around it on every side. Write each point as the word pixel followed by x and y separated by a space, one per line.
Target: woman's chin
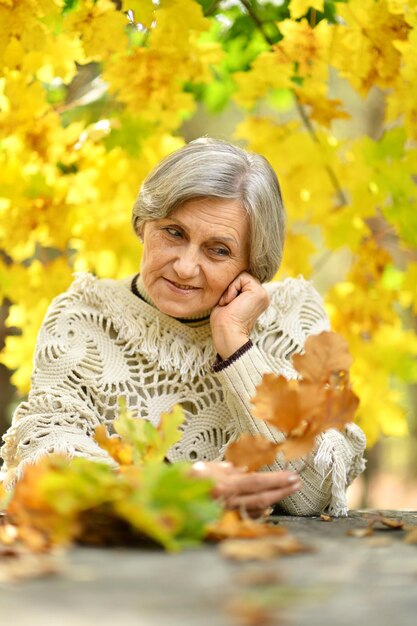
pixel 181 309
pixel 174 310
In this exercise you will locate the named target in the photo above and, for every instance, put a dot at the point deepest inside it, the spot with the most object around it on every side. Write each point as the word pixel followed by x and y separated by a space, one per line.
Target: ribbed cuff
pixel 220 364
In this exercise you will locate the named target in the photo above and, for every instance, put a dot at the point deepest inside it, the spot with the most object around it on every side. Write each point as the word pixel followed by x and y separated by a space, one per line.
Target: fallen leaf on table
pixel 256 577
pixel 19 563
pixel 289 544
pixel 250 613
pixel 379 542
pixel 231 525
pixel 261 549
pixel 411 536
pixel 326 518
pixel 392 522
pixel 251 452
pixel 396 523
pixel 360 532
pixel 247 550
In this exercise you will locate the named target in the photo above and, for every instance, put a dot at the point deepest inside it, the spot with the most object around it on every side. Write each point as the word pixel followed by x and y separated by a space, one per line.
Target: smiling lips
pixel 182 287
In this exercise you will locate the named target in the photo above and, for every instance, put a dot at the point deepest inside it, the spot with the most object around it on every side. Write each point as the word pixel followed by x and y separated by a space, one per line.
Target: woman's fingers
pixel 256 490
pixel 230 294
pixel 233 319
pixel 243 282
pixel 263 500
pixel 255 482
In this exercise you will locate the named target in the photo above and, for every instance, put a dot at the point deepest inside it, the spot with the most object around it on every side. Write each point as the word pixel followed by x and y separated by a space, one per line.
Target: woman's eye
pixel 173 232
pixel 220 251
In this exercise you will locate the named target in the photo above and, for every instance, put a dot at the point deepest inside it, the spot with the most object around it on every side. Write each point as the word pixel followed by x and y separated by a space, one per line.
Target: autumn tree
pixel 93 93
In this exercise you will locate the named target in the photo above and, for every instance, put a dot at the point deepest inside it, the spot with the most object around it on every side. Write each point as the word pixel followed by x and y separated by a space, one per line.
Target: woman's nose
pixel 186 265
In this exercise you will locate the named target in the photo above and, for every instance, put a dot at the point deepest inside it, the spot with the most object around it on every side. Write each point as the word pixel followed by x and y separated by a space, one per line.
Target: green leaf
pixel 169 505
pixel 69 5
pixel 78 485
pixel 150 442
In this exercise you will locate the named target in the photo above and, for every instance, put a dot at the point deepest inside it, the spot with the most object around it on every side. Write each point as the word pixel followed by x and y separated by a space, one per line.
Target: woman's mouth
pixel 181 286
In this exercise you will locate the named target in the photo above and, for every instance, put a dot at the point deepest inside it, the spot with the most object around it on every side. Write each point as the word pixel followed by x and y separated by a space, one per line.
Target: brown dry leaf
pixel 272 394
pixel 20 564
pixel 119 450
pixel 38 524
pixel 392 522
pixel 251 452
pixel 395 523
pixel 261 549
pixel 246 612
pixel 302 409
pixel 297 447
pixel 411 536
pixel 379 542
pixel 27 508
pixel 326 518
pixel 255 577
pixel 339 380
pixel 247 550
pixel 360 532
pixel 289 544
pixel 338 409
pixel 324 354
pixel 231 525
pixel 285 403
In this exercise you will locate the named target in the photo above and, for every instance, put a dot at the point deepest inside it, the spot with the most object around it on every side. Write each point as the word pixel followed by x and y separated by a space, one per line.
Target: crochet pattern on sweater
pixel 99 341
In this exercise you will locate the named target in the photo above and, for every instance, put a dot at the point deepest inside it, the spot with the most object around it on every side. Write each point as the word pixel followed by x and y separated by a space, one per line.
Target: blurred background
pixel 94 93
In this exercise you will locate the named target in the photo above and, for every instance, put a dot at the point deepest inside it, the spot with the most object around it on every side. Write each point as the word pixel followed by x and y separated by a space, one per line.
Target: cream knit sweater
pixel 100 341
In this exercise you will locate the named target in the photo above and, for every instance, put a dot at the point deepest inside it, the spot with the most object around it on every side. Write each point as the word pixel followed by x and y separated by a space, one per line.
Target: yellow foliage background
pixel 93 93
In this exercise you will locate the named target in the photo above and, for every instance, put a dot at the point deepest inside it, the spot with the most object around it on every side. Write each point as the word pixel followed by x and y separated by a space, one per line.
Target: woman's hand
pixel 236 313
pixel 253 491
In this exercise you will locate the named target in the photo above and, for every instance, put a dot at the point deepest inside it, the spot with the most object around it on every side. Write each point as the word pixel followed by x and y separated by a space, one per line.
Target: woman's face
pixel 192 255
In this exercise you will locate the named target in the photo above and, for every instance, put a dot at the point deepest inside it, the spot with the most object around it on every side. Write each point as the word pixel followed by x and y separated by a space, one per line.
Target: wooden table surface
pixel 344 581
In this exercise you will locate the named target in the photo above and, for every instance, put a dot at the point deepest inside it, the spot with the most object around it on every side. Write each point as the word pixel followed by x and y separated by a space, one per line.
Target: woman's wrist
pixel 227 345
pixel 220 364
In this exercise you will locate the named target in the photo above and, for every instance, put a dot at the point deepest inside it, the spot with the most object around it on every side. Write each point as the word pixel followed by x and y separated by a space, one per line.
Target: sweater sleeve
pixel 338 457
pixel 61 412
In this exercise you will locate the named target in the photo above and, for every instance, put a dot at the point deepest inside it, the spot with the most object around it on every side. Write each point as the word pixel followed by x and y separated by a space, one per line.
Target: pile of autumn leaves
pixel 143 498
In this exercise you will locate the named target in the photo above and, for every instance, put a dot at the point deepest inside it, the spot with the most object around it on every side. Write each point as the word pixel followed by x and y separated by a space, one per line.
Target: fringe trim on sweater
pixel 170 343
pixel 329 461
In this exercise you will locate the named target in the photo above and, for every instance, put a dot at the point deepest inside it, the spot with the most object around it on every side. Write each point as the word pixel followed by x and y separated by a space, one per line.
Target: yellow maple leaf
pixel 298 252
pixel 143 11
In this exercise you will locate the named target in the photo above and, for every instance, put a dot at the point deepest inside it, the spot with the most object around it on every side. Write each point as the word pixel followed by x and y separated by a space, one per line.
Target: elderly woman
pixel 197 326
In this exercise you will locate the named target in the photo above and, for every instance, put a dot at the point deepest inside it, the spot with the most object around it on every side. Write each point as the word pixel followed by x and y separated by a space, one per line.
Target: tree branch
pixel 300 109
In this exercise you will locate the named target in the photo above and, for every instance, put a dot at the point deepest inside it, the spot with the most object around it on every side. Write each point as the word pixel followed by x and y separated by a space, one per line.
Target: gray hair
pixel 212 168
